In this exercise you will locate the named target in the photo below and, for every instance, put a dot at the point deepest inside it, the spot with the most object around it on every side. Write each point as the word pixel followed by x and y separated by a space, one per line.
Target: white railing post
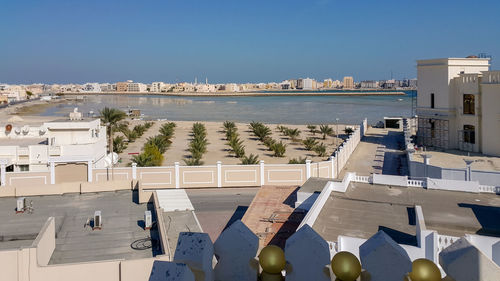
pixel 308 169
pixel 332 165
pixel 2 174
pixel 134 171
pixel 89 171
pixel 219 174
pixel 177 175
pixel 262 178
pixel 52 172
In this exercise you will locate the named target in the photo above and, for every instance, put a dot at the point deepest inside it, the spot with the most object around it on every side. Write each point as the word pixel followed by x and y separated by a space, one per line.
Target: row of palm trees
pixel 155 147
pixel 263 133
pixel 198 145
pixel 236 144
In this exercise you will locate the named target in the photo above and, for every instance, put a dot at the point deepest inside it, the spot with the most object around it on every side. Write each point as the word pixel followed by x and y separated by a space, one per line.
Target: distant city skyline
pixel 236 41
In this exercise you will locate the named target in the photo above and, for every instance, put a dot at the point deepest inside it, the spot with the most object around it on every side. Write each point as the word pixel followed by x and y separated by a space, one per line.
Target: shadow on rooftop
pixel 292 198
pixel 399 236
pixel 487 216
pixel 237 215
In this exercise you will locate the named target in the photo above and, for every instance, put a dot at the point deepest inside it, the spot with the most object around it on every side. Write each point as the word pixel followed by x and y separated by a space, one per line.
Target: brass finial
pixel 346 266
pixel 272 260
pixel 424 270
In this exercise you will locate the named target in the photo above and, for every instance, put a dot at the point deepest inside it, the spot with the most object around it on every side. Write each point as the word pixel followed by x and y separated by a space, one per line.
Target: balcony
pixel 23 151
pixel 55 151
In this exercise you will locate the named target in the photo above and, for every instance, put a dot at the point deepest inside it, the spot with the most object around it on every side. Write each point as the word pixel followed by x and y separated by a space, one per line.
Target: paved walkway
pixel 379 152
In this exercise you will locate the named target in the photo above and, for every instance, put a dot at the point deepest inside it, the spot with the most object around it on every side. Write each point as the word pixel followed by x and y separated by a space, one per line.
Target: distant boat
pixel 400 99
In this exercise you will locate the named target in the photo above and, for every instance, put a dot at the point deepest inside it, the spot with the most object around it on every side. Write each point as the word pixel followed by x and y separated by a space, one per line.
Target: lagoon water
pixel 268 109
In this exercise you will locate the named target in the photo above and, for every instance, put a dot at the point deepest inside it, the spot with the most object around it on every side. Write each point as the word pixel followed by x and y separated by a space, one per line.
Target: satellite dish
pixel 17 130
pixel 43 130
pixel 110 156
pixel 8 128
pixel 26 129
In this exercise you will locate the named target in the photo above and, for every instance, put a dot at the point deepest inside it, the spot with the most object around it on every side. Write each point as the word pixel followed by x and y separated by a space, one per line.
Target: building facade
pixel 32 148
pixel 348 82
pixel 458 105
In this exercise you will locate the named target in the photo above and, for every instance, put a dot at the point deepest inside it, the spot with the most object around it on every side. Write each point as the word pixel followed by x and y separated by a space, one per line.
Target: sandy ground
pixel 24 110
pixel 218 150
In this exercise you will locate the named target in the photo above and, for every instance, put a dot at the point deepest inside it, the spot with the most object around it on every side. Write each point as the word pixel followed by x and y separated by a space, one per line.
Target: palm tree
pixel 155 154
pixel 250 160
pixel 300 160
pixel 320 149
pixel 193 162
pixel 119 144
pixel 312 129
pixel 167 130
pixel 228 125
pixel 142 160
pixel 293 134
pixel 112 118
pixel 131 135
pixel 325 130
pixel 279 149
pixel 160 142
pixel 348 131
pixel 310 143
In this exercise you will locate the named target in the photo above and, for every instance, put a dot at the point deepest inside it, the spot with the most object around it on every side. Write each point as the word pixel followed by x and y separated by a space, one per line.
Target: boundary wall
pixel 177 176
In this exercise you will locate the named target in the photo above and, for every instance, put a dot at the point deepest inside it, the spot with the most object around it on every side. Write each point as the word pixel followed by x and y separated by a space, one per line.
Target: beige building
pixel 458 105
pixel 122 86
pixel 136 87
pixel 348 82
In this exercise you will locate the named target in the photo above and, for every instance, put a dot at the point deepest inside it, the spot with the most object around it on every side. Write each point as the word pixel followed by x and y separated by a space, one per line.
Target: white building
pixel 136 87
pixel 91 88
pixel 156 87
pixel 458 105
pixel 369 84
pixel 32 148
pixel 305 84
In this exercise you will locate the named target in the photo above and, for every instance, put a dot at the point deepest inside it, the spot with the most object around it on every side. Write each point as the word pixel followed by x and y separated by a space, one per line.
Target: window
pixel 433 128
pixel 469 104
pixel 432 100
pixel 24 168
pixel 469 134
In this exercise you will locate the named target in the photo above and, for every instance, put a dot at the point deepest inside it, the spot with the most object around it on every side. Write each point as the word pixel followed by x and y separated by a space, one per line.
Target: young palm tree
pixel 142 160
pixel 250 160
pixel 320 149
pixel 312 129
pixel 300 160
pixel 131 135
pixel 293 134
pixel 348 131
pixel 193 162
pixel 154 153
pixel 160 142
pixel 228 125
pixel 279 149
pixel 119 144
pixel 325 130
pixel 310 143
pixel 167 130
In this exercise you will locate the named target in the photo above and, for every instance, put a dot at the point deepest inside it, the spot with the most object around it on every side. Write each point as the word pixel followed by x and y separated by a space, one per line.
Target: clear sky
pixel 237 40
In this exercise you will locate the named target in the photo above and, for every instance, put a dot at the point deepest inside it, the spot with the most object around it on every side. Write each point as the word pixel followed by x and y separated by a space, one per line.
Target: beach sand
pixel 218 150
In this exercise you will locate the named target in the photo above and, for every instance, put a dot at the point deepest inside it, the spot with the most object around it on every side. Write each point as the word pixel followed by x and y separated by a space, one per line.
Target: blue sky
pixel 237 41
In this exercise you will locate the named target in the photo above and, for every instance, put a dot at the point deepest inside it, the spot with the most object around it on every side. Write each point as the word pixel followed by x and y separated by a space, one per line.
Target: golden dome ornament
pixel 272 260
pixel 346 266
pixel 424 270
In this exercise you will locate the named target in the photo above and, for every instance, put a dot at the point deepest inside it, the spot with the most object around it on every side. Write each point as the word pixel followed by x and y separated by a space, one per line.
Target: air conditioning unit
pixel 21 204
pixel 97 220
pixel 148 220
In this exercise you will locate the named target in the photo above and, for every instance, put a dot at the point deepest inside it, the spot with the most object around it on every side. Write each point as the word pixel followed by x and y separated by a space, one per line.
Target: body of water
pixel 268 109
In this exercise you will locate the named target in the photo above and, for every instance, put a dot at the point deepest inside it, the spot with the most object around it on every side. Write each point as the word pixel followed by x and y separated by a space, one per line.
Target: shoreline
pixel 240 94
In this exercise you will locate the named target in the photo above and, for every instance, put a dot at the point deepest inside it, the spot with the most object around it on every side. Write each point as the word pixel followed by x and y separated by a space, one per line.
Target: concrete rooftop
pixel 177 222
pixel 22 141
pixel 75 242
pixel 364 209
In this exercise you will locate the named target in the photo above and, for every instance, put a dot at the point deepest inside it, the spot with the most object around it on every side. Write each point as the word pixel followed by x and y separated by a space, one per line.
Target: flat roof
pixel 177 222
pixel 364 209
pixel 122 226
pixel 314 184
pixel 22 141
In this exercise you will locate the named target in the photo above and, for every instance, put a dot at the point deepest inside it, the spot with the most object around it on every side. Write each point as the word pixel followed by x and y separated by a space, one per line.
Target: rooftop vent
pixel 472 57
pixel 97 221
pixel 148 220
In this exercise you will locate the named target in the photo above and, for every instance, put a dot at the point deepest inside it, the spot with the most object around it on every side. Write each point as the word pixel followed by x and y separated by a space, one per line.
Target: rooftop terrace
pixel 75 242
pixel 365 209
